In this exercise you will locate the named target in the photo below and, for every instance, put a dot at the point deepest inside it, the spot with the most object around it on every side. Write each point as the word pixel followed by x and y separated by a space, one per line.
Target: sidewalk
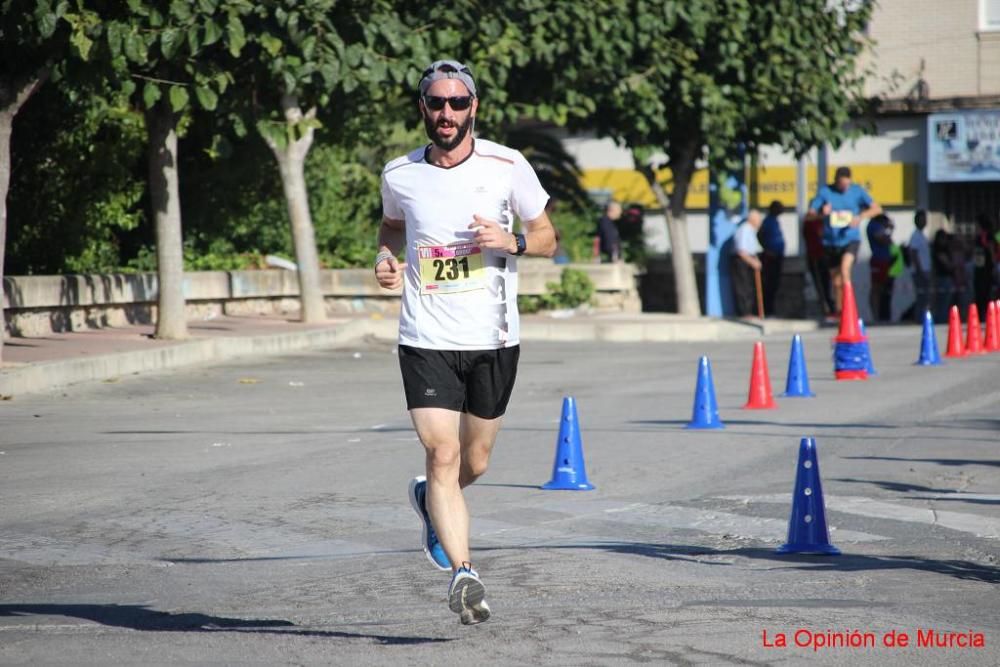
pixel 41 364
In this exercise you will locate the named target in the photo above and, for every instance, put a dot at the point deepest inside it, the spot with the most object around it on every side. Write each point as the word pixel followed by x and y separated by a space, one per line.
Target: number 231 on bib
pixel 450 269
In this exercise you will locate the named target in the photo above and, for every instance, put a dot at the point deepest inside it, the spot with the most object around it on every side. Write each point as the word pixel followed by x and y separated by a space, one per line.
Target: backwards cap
pixel 446 69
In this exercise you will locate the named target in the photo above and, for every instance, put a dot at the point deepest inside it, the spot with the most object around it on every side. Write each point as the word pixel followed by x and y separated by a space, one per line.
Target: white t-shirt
pixel 745 239
pixel 918 243
pixel 455 295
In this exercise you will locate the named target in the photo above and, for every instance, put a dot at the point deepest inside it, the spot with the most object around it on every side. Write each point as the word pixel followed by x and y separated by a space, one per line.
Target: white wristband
pixel 382 256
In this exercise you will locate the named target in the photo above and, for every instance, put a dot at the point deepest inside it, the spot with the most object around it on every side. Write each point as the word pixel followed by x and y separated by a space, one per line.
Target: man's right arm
pixel 391 239
pixel 818 208
pixel 751 260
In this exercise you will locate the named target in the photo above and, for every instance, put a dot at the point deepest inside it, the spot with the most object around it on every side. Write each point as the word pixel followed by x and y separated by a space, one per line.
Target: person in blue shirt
pixel 879 232
pixel 773 257
pixel 842 205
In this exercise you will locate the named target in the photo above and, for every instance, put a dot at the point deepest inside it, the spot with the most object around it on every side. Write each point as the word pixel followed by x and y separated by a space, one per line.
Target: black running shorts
pixel 835 253
pixel 475 381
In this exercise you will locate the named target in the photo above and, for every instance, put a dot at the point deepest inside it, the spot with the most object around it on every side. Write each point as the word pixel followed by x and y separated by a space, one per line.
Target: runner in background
pixel 842 205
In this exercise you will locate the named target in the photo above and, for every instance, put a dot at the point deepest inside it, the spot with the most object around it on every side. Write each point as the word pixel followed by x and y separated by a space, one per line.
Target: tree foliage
pixel 677 82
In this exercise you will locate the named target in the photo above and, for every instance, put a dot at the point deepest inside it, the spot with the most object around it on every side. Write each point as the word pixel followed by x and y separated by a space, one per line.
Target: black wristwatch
pixel 522 244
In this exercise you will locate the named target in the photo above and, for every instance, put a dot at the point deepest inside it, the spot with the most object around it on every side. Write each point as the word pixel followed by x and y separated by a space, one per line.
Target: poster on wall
pixel 963 146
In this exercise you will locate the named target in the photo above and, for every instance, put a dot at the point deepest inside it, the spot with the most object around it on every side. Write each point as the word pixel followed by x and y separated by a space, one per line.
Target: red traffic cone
pixel 849 357
pixel 955 347
pixel 996 323
pixel 973 336
pixel 760 397
pixel 849 331
pixel 992 330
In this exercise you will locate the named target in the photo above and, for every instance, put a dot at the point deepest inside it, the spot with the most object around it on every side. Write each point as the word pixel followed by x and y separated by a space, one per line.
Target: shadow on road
pixel 136 617
pixel 959 569
pixel 905 487
pixel 943 462
pixel 764 422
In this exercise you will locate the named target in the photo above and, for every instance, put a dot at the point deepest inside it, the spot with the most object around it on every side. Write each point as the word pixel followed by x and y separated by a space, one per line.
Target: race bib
pixel 841 218
pixel 450 269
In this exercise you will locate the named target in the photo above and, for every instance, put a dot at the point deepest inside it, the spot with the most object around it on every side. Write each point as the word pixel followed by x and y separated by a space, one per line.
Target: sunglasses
pixel 435 103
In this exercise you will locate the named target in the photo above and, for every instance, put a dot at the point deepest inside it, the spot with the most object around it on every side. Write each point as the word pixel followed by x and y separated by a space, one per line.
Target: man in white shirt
pixel 451 206
pixel 746 263
pixel 920 264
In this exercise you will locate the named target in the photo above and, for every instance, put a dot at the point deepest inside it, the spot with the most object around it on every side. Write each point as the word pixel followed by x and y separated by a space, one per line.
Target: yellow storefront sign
pixel 893 184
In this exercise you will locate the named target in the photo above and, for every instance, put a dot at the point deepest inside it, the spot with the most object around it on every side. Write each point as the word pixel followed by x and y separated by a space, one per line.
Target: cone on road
pixel 849 361
pixel 992 330
pixel 705 413
pixel 807 532
pixel 996 322
pixel 955 347
pixel 849 331
pixel 869 364
pixel 973 335
pixel 760 396
pixel 929 355
pixel 797 382
pixel 568 471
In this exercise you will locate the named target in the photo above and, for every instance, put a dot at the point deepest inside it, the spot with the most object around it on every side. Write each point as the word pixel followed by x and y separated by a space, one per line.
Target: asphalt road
pixel 256 513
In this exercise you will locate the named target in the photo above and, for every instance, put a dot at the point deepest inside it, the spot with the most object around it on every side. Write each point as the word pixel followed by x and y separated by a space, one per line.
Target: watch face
pixel 522 244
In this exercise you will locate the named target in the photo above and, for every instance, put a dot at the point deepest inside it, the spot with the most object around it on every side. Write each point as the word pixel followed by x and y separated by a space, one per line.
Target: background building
pixel 934 140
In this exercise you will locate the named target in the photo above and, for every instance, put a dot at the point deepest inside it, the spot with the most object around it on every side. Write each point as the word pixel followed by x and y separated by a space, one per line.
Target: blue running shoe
pixel 466 596
pixel 432 546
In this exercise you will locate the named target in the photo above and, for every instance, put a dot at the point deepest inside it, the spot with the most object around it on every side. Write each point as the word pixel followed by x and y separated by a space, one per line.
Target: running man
pixel 451 205
pixel 842 205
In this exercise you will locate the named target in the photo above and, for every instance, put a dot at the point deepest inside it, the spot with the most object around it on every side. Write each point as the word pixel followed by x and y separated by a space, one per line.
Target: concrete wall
pixel 941 42
pixel 39 305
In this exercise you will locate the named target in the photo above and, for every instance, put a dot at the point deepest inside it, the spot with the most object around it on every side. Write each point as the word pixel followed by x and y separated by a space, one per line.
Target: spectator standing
pixel 983 262
pixel 812 235
pixel 920 264
pixel 745 263
pixel 880 239
pixel 961 262
pixel 773 256
pixel 608 236
pixel 944 275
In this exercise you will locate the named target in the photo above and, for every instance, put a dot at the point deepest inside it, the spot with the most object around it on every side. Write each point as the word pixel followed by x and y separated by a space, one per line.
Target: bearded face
pixel 447 127
pixel 447 133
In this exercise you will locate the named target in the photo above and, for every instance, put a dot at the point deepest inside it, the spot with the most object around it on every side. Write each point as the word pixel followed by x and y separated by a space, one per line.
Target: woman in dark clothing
pixel 944 271
pixel 983 253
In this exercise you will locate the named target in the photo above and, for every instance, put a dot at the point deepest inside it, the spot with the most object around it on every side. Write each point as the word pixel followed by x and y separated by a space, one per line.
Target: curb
pixel 48 375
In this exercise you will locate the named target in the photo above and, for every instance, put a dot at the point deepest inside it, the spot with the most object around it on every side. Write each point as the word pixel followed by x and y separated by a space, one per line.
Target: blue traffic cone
pixel 797 384
pixel 705 413
pixel 568 471
pixel 807 533
pixel 869 366
pixel 929 355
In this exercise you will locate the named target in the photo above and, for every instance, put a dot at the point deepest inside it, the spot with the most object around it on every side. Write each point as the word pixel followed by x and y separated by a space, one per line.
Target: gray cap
pixel 446 69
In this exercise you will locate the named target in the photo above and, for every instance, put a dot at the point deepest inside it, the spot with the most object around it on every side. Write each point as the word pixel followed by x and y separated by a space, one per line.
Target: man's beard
pixel 461 130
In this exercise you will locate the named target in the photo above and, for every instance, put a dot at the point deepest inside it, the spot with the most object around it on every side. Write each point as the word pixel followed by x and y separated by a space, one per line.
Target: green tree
pixel 307 56
pixel 168 58
pixel 696 78
pixel 35 40
pixel 77 189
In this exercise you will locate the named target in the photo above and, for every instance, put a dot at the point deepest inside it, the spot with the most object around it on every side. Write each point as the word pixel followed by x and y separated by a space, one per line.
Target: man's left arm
pixel 539 236
pixel 870 210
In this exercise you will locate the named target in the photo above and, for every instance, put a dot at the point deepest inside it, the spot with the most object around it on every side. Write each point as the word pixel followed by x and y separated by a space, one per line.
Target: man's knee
pixel 443 457
pixel 475 465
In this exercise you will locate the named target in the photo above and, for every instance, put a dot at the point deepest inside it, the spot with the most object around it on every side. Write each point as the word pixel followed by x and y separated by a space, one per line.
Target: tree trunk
pixel 161 126
pixel 12 98
pixel 291 163
pixel 682 162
